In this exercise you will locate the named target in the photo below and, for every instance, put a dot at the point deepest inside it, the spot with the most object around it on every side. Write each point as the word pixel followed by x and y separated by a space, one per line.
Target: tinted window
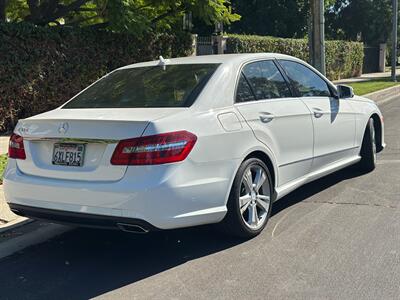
pixel 253 74
pixel 244 92
pixel 307 82
pixel 168 86
pixel 273 84
pixel 266 81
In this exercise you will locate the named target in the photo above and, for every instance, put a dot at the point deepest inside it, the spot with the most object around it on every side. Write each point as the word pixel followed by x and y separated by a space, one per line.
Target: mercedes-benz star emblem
pixel 63 128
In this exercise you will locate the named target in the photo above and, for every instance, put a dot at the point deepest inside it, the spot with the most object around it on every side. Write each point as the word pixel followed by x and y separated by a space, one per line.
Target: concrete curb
pixel 20 221
pixel 12 220
pixel 384 95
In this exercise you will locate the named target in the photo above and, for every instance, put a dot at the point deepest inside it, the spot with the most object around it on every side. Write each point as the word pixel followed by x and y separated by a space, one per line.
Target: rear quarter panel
pixel 216 146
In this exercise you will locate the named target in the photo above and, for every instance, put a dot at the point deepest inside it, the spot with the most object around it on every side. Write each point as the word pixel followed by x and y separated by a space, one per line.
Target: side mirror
pixel 345 91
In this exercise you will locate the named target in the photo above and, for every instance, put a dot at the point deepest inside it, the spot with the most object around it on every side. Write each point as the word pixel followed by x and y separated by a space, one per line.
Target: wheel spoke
pixel 244 202
pixel 260 179
pixel 248 180
pixel 263 202
pixel 263 197
pixel 253 216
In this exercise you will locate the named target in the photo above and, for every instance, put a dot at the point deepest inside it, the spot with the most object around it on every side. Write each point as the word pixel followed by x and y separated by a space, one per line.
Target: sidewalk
pixel 3 144
pixel 368 77
pixel 6 216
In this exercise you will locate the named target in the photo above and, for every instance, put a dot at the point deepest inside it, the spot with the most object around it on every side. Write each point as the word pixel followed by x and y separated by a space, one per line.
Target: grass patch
pixel 366 87
pixel 3 162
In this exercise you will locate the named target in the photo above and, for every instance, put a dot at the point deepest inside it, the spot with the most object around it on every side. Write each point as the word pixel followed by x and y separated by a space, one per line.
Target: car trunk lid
pixel 98 130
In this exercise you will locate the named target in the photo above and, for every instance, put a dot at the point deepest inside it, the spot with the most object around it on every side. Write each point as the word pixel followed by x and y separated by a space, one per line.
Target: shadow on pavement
pixel 85 263
pixel 315 187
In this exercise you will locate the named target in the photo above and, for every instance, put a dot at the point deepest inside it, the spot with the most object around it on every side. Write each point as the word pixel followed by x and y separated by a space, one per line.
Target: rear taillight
pixel 16 147
pixel 154 149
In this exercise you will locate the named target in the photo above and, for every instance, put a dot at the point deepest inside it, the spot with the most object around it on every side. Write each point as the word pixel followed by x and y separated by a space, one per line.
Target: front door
pixel 280 121
pixel 333 118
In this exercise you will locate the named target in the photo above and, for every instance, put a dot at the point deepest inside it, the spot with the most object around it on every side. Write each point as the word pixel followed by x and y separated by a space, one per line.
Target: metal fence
pixel 204 45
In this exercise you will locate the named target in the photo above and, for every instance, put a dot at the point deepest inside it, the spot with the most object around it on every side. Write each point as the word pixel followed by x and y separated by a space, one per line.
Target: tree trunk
pixel 3 5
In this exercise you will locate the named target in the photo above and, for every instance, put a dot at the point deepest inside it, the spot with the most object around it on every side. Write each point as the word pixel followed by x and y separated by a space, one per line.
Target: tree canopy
pixel 366 20
pixel 136 16
pixel 280 18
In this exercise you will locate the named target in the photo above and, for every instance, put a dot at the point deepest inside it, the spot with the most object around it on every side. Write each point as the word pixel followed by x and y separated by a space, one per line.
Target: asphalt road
pixel 336 238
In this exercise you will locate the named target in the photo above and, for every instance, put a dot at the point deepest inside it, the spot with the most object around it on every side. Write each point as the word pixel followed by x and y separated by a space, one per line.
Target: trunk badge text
pixel 63 128
pixel 23 130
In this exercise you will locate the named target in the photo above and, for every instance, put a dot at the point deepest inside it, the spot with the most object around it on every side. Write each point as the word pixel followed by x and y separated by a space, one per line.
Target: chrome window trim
pixel 72 140
pixel 257 60
pixel 331 87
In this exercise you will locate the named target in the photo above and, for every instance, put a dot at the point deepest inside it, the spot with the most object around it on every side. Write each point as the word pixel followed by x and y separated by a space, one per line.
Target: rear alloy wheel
pixel 368 148
pixel 250 200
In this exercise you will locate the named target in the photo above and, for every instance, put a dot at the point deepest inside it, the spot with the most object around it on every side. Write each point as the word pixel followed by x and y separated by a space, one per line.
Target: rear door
pixel 333 118
pixel 279 120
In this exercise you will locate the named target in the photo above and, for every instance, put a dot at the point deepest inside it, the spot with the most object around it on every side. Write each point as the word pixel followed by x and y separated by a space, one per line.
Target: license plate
pixel 68 154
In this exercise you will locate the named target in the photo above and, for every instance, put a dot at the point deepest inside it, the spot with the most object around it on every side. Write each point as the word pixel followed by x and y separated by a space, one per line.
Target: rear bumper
pixel 166 197
pixel 80 219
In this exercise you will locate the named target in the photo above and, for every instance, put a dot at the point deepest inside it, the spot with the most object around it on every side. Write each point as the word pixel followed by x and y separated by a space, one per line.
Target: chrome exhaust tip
pixel 131 228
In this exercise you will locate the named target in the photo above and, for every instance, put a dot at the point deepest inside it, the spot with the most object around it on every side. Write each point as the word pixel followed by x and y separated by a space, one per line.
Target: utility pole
pixel 317 35
pixel 394 38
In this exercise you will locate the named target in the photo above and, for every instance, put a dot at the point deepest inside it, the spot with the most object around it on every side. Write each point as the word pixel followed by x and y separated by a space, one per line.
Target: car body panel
pixel 334 129
pixel 288 132
pixel 99 129
pixel 364 109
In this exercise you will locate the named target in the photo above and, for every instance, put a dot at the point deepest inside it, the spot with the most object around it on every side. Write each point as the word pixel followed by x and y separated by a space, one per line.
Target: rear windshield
pixel 159 86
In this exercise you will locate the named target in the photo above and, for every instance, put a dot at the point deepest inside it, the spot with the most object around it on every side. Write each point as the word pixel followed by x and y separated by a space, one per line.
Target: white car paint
pixel 300 147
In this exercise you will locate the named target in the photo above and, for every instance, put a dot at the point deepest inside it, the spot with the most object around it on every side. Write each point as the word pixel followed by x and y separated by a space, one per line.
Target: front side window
pixel 158 86
pixel 264 80
pixel 306 81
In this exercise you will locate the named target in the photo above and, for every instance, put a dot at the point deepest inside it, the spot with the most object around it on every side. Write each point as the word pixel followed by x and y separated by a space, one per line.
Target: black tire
pixel 368 148
pixel 234 222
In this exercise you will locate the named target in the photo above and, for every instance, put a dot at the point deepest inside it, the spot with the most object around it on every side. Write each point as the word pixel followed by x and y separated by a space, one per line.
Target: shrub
pixel 42 67
pixel 343 59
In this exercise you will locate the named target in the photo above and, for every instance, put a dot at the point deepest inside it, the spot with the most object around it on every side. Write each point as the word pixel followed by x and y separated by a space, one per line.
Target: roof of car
pixel 204 59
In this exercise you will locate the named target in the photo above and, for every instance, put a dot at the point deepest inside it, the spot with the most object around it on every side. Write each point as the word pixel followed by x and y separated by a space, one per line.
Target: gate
pixel 204 45
pixel 371 59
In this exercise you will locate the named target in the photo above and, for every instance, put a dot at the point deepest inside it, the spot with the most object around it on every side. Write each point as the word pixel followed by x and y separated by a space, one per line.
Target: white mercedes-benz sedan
pixel 189 141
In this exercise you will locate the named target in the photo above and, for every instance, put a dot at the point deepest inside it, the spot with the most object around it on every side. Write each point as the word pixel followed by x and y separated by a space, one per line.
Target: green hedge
pixel 42 67
pixel 343 59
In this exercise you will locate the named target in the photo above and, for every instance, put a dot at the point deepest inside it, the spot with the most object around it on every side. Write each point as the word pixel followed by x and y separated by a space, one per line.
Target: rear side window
pixel 253 74
pixel 244 92
pixel 306 81
pixel 273 84
pixel 264 80
pixel 159 86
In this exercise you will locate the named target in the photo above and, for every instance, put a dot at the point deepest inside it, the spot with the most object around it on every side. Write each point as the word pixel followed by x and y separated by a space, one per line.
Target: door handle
pixel 318 113
pixel 266 117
